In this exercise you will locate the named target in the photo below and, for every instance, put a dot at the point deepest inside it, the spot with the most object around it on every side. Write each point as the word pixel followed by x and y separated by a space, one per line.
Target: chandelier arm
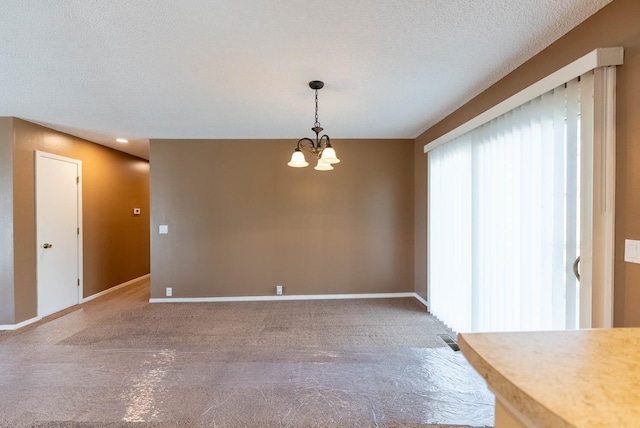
pixel 305 140
pixel 326 140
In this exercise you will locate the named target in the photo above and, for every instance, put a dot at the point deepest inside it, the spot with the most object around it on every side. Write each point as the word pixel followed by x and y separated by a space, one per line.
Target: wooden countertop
pixel 580 378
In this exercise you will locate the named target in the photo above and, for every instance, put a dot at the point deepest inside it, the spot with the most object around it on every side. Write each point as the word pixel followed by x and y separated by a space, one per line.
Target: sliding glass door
pixel 504 219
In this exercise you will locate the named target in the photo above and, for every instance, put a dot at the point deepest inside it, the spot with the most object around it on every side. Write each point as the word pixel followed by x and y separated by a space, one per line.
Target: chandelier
pixel 321 148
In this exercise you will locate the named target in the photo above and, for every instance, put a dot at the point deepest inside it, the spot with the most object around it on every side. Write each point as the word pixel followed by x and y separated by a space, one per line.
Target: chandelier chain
pixel 316 123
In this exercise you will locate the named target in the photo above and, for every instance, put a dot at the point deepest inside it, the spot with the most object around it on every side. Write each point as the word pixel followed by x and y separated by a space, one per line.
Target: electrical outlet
pixel 279 290
pixel 169 291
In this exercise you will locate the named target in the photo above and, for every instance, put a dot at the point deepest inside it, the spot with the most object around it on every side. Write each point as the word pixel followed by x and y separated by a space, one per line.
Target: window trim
pixel 601 57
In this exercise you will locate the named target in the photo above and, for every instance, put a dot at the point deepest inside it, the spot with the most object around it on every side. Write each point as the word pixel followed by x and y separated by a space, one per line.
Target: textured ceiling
pixel 102 69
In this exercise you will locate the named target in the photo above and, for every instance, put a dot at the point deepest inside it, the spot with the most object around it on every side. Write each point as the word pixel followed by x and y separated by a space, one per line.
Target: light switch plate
pixel 163 229
pixel 631 251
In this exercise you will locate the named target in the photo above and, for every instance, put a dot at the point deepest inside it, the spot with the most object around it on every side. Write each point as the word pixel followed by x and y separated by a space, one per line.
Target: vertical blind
pixel 504 219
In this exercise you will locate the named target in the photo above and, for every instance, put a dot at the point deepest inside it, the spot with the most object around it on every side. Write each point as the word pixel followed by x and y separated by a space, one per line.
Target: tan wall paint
pixel 116 243
pixel 617 24
pixel 420 216
pixel 241 221
pixel 6 221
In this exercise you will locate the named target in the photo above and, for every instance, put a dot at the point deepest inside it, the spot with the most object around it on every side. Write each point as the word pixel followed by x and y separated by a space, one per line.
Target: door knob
pixel 45 246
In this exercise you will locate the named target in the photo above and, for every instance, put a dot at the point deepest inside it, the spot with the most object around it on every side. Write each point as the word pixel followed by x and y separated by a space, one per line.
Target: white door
pixel 58 217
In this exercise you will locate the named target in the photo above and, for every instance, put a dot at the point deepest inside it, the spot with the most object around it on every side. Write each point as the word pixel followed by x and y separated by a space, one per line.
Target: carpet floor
pixel 118 361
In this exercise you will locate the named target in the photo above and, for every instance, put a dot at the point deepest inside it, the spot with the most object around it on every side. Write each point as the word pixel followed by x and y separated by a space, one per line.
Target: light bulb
pixel 323 166
pixel 298 160
pixel 329 155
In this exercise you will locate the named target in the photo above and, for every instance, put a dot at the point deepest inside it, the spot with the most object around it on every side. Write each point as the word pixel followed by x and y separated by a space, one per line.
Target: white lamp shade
pixel 298 160
pixel 323 166
pixel 329 156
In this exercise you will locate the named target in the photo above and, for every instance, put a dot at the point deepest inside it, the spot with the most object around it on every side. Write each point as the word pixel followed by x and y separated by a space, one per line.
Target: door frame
pixel 597 253
pixel 39 155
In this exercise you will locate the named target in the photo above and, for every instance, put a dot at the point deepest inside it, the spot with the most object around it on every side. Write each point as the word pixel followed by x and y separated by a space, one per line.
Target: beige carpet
pixel 370 322
pixel 119 361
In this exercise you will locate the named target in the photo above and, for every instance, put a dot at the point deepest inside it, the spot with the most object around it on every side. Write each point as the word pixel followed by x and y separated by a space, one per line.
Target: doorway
pixel 58 232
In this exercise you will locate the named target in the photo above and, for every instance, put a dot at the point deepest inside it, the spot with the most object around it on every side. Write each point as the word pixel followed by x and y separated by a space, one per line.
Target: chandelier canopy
pixel 321 148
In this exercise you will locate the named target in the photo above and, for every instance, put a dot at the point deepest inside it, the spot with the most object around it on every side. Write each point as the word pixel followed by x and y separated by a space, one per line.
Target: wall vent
pixel 449 341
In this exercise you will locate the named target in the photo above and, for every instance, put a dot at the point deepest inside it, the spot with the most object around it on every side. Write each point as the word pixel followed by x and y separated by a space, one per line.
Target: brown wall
pixel 116 243
pixel 241 221
pixel 6 221
pixel 617 24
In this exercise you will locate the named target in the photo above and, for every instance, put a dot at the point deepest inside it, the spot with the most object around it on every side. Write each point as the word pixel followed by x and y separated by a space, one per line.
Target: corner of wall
pixel 7 304
pixel 420 219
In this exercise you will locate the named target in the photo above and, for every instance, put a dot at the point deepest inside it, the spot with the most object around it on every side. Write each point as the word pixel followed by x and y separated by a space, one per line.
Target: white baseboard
pixel 284 297
pixel 114 288
pixel 20 324
pixel 421 300
pixel 102 293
